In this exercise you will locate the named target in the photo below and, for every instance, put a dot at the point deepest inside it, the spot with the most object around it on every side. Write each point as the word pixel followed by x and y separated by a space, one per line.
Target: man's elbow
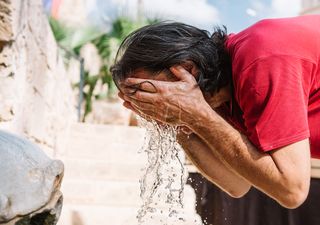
pixel 239 193
pixel 295 197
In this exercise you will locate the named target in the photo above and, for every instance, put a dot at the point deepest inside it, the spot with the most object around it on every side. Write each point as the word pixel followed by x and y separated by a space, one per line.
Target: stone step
pixel 102 215
pixel 111 143
pixel 110 152
pixel 96 215
pixel 102 170
pixel 110 193
pixel 106 133
pixel 101 193
pixel 109 137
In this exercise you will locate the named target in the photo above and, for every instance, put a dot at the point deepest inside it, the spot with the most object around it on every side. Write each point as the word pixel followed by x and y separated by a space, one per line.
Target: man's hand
pixel 175 103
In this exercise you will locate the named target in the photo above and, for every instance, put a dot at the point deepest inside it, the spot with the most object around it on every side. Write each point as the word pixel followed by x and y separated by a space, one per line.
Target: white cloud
pixel 276 8
pixel 283 8
pixel 196 12
pixel 251 12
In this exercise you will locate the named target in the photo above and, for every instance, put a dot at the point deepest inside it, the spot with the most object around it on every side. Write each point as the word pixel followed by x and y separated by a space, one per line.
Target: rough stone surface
pixel 46 215
pixel 30 181
pixel 5 20
pixel 36 97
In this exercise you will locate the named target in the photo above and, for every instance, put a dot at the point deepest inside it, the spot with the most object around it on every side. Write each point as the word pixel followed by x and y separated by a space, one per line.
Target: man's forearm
pixel 211 167
pixel 237 151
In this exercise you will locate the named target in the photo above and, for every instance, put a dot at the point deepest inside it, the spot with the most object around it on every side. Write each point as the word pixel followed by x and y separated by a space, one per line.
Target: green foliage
pixel 103 45
pixel 81 37
pixel 59 31
pixel 121 27
pixel 71 40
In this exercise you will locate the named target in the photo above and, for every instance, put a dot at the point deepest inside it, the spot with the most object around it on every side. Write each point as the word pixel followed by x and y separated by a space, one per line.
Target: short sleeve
pixel 273 95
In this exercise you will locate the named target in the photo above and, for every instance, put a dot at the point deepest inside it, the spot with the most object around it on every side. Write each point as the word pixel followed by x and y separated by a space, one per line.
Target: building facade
pixel 310 7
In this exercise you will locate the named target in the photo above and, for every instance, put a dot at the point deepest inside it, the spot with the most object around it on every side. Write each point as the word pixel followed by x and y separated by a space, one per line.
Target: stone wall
pixel 36 97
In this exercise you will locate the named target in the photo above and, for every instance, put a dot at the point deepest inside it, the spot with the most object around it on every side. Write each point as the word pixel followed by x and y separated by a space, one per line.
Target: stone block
pixel 102 170
pixel 6 32
pixel 108 193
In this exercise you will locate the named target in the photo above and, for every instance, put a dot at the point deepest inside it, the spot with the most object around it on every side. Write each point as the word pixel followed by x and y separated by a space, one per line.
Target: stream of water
pixel 162 185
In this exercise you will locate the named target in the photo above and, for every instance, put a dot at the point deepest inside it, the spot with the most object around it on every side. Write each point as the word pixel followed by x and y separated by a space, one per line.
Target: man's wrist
pixel 203 115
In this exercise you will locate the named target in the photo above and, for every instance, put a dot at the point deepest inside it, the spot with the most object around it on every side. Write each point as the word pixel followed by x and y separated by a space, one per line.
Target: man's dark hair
pixel 157 47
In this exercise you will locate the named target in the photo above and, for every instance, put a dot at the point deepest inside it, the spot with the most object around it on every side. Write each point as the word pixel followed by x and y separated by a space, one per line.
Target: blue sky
pixel 205 14
pixel 239 14
pixel 235 14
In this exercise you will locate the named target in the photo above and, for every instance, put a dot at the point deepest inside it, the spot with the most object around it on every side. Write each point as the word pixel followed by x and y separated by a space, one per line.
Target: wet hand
pixel 171 102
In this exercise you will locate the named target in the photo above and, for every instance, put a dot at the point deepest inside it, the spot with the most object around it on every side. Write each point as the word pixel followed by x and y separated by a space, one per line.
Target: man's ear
pixel 191 67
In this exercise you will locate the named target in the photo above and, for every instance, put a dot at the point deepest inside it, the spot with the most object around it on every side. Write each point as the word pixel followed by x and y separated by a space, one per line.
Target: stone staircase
pixel 102 171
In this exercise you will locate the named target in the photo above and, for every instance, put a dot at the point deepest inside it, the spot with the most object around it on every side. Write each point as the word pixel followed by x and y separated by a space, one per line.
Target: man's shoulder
pixel 270 30
pixel 275 37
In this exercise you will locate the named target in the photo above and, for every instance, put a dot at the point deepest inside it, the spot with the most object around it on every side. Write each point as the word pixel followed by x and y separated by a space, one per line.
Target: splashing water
pixel 162 185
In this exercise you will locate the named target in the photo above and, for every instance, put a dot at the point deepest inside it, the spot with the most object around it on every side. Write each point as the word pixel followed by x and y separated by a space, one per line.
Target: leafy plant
pixel 107 44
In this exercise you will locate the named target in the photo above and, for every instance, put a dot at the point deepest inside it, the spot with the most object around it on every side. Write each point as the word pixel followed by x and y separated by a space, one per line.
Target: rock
pixel 30 182
pixel 47 215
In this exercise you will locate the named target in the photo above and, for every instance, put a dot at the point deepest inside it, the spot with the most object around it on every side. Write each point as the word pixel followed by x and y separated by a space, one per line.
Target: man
pixel 250 101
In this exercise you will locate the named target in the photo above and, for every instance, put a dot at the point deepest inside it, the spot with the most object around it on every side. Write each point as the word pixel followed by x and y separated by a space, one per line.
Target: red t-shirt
pixel 276 78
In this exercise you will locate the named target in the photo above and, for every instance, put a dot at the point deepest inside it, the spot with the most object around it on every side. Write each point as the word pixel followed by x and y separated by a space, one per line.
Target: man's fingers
pixel 182 74
pixel 130 107
pixel 139 104
pixel 141 84
pixel 186 130
pixel 147 114
pixel 147 86
pixel 145 97
pixel 121 95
